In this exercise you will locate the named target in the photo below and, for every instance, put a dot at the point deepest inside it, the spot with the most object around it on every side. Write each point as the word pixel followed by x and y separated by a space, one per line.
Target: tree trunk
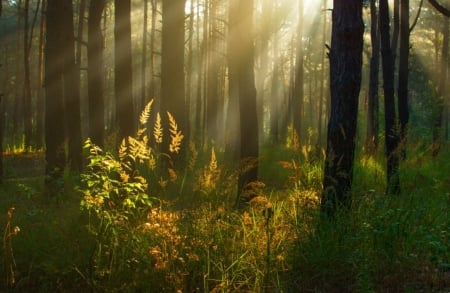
pixel 27 118
pixel 144 99
pixel 372 103
pixel 123 70
pixel 390 120
pixel 95 73
pixel 40 103
pixel 71 88
pixel 172 62
pixel 345 82
pixel 297 99
pixel 54 106
pixel 241 26
pixel 403 70
pixel 438 117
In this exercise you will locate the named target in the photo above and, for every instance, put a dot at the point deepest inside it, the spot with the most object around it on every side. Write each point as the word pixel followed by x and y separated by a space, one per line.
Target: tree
pixel 372 103
pixel 297 99
pixel 172 62
pixel 345 82
pixel 242 59
pixel 54 105
pixel 390 120
pixel 95 73
pixel 403 71
pixel 71 81
pixel 123 71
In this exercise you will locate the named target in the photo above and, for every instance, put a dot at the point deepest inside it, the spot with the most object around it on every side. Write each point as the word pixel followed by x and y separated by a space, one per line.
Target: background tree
pixel 54 90
pixel 241 26
pixel 390 117
pixel 123 68
pixel 95 73
pixel 345 81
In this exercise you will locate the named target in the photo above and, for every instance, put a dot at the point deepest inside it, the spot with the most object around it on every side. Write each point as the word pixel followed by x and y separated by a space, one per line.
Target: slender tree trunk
pixel 372 107
pixel 189 66
pixel 297 100
pixel 123 68
pixel 95 73
pixel 27 116
pixel 71 88
pixel 144 98
pixel 19 75
pixel 242 24
pixel 403 67
pixel 40 103
pixel 345 82
pixel 54 105
pixel 438 119
pixel 390 120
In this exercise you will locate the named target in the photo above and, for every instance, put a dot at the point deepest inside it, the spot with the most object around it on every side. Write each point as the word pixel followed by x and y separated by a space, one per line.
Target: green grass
pixel 384 244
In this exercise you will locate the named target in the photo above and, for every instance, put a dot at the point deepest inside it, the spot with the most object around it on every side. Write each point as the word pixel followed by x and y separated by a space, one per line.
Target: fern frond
pixel 145 114
pixel 123 150
pixel 158 130
pixel 213 162
pixel 176 135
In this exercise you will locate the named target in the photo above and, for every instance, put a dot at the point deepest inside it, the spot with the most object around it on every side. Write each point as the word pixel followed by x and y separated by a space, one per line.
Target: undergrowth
pixel 150 224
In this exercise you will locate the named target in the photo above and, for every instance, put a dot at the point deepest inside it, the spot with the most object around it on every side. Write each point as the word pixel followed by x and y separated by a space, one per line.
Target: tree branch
pixel 417 17
pixel 445 11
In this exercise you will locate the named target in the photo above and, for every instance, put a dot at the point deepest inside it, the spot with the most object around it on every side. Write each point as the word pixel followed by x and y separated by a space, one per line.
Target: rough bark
pixel 95 73
pixel 345 82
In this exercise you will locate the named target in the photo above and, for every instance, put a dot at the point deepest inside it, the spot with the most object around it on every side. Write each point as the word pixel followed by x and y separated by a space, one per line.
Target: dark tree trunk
pixel 95 73
pixel 241 25
pixel 345 82
pixel 27 116
pixel 438 117
pixel 144 99
pixel 372 103
pixel 402 93
pixel 54 106
pixel 40 103
pixel 172 63
pixel 123 70
pixel 71 88
pixel 390 120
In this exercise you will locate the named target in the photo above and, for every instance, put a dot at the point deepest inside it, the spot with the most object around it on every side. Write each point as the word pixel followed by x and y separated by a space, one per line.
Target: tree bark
pixel 123 68
pixel 54 106
pixel 297 99
pixel 390 119
pixel 373 105
pixel 345 82
pixel 95 73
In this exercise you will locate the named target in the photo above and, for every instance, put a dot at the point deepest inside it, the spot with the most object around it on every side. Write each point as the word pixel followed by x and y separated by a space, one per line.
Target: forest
pixel 224 146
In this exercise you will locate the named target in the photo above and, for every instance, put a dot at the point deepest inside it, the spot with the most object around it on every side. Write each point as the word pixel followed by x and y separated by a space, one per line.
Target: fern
pixel 145 114
pixel 175 135
pixel 158 130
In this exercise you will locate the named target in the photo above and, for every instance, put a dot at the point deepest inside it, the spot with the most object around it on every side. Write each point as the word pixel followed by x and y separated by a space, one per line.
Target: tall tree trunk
pixel 71 88
pixel 40 103
pixel 297 99
pixel 95 73
pixel 390 120
pixel 144 99
pixel 345 82
pixel 54 105
pixel 241 23
pixel 372 103
pixel 123 68
pixel 172 62
pixel 27 118
pixel 19 78
pixel 403 70
pixel 438 117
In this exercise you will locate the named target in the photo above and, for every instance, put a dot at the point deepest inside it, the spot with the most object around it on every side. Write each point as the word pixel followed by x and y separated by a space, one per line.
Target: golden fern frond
pixel 158 130
pixel 175 135
pixel 145 114
pixel 213 162
pixel 123 150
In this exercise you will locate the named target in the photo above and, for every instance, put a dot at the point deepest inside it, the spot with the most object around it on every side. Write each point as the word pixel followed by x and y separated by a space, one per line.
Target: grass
pixel 276 244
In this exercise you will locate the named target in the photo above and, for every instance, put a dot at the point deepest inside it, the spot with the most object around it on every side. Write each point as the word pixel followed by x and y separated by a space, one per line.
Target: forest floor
pixel 383 245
